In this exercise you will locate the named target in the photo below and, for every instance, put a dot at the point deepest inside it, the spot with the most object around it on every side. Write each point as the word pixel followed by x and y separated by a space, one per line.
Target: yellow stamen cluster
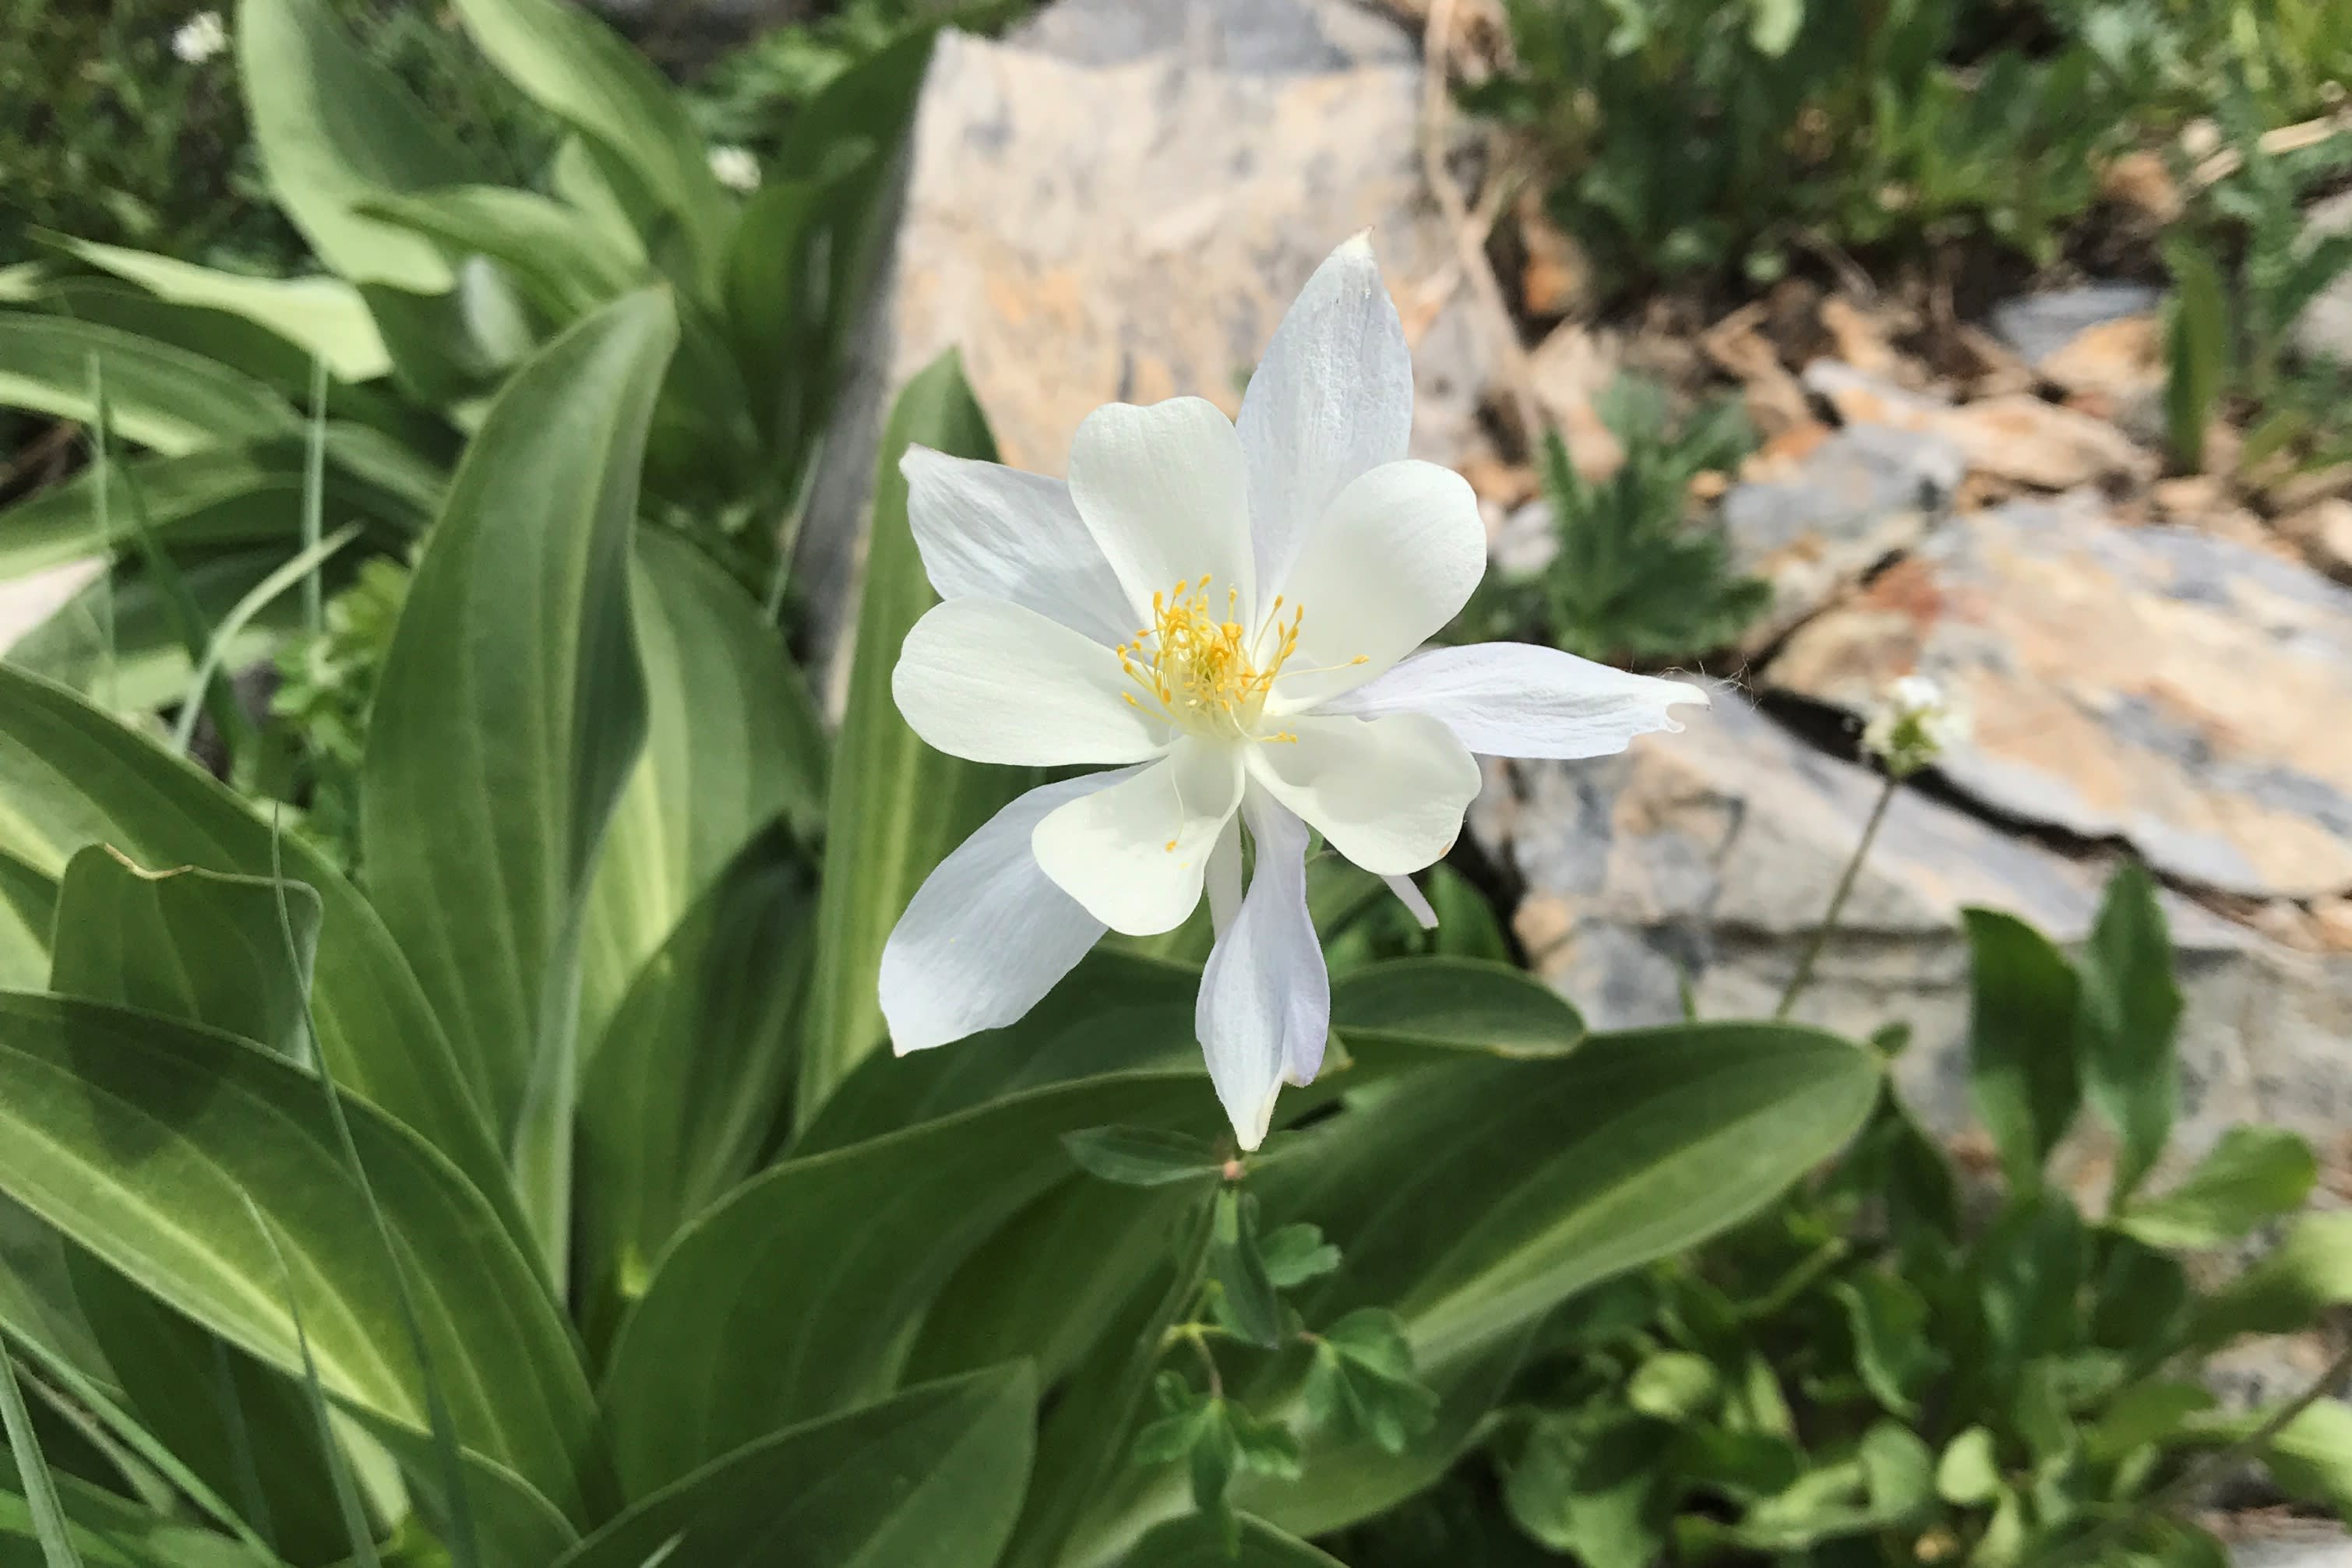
pixel 1200 668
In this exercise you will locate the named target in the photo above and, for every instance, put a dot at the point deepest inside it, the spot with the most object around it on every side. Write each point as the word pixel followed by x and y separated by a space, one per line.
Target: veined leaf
pixel 207 949
pixel 733 741
pixel 897 807
pixel 691 1077
pixel 2253 1175
pixel 557 256
pixel 159 396
pixel 2131 1007
pixel 71 776
pixel 117 641
pixel 336 128
pixel 848 1247
pixel 1445 1005
pixel 2024 1073
pixel 140 1137
pixel 930 1478
pixel 324 316
pixel 1193 1543
pixel 508 717
pixel 587 75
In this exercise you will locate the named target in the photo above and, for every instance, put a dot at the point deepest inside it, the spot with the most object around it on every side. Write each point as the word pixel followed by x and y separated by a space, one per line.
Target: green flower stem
pixel 1804 974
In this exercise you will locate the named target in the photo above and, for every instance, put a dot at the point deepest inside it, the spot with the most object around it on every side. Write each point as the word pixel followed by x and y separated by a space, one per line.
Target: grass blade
pixel 464 1546
pixel 40 1486
pixel 347 1499
pixel 314 498
pixel 302 567
pixel 116 1423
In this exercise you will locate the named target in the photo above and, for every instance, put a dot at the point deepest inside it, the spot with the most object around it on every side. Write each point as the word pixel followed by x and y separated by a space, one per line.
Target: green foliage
pixel 1687 137
pixel 1872 1374
pixel 2230 340
pixel 508 1159
pixel 326 688
pixel 108 135
pixel 474 191
pixel 1632 580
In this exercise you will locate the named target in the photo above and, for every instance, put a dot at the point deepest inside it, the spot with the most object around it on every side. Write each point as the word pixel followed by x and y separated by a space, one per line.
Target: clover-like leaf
pixel 1296 1254
pixel 1362 1381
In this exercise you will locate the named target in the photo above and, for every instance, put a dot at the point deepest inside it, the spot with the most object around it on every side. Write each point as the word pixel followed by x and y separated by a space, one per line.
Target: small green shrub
pixel 1633 579
pixel 1887 1368
pixel 1688 138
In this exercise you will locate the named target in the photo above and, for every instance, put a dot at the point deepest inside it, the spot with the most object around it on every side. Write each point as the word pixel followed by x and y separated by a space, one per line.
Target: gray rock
pixel 1243 36
pixel 2038 325
pixel 1865 494
pixel 2155 685
pixel 1707 857
pixel 1526 543
pixel 2323 330
pixel 2322 1543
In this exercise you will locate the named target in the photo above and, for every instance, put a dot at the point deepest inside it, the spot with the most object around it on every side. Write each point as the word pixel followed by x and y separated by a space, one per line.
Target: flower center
pixel 1200 667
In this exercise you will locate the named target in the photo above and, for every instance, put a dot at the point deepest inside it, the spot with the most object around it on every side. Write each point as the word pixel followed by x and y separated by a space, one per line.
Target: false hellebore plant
pixel 1228 615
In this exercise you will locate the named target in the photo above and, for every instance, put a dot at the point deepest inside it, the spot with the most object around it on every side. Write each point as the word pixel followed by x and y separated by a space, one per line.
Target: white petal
pixel 1388 793
pixel 987 531
pixel 1514 699
pixel 1416 901
pixel 1331 399
pixel 1136 853
pixel 1266 998
pixel 1162 491
pixel 1389 562
pixel 1225 877
pixel 995 683
pixel 988 934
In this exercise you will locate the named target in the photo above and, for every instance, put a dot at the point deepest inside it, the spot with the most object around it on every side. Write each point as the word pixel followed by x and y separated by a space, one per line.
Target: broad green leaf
pixel 1245 1295
pixel 2130 1009
pixel 1143 1156
pixel 2306 1273
pixel 188 943
pixel 336 128
pixel 220 496
pixel 557 257
pixel 897 807
pixel 28 905
pixel 71 776
pixel 1194 1542
pixel 691 1077
pixel 2310 1458
pixel 141 1138
pixel 1533 1180
pixel 507 719
pixel 2151 1412
pixel 733 740
pixel 2024 1071
pixel 1049 1285
pixel 1454 1004
pixel 205 948
pixel 848 1247
pixel 159 396
pixel 1969 1471
pixel 2029 1267
pixel 2253 1175
pixel 1083 1436
pixel 930 1478
pixel 582 71
pixel 324 316
pixel 1113 1013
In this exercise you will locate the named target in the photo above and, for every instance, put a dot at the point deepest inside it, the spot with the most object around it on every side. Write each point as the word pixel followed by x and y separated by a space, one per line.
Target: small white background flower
pixel 737 168
pixel 199 38
pixel 1228 616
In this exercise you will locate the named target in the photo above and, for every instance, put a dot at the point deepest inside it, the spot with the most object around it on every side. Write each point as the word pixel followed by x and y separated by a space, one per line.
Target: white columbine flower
pixel 1228 617
pixel 735 168
pixel 1912 724
pixel 199 38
